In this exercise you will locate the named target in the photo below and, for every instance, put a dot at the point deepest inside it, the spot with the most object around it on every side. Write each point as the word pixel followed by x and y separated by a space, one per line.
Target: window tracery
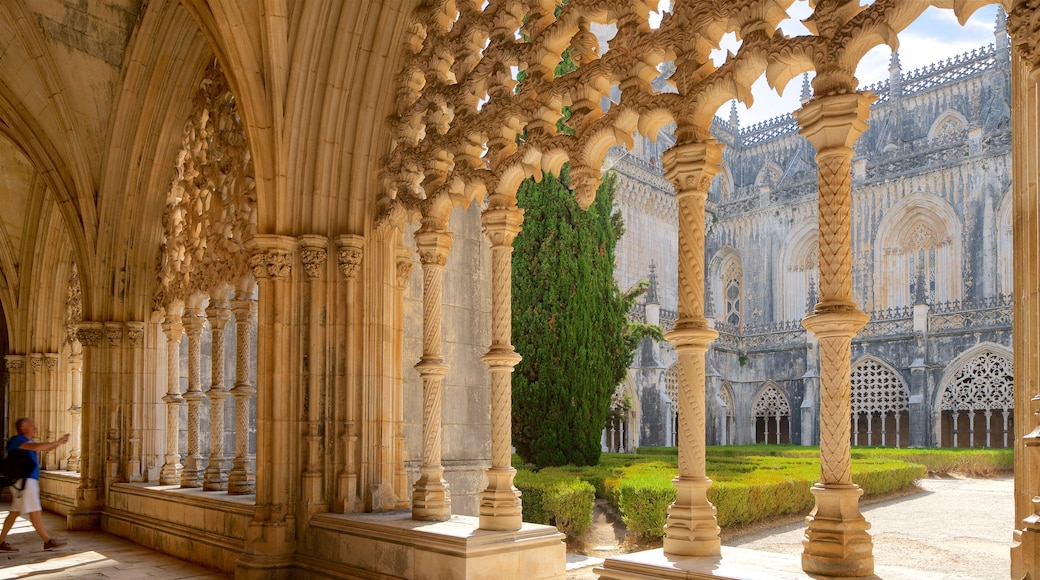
pixel 772 415
pixel 977 402
pixel 733 277
pixel 880 400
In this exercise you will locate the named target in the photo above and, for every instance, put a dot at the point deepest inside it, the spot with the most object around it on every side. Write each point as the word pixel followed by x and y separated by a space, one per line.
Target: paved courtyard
pixel 955 529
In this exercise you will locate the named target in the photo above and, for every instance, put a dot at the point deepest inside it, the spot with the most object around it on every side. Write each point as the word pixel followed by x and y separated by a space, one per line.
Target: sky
pixel 935 36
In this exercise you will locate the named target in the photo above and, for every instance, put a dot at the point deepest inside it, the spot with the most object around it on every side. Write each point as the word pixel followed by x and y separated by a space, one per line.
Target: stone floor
pixel 87 555
pixel 961 527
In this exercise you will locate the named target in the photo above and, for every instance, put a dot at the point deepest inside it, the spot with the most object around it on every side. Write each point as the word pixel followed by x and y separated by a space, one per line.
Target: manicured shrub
pixel 643 503
pixel 554 498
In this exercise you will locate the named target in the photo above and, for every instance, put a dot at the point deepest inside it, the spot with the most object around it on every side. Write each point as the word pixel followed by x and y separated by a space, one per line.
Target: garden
pixel 750 483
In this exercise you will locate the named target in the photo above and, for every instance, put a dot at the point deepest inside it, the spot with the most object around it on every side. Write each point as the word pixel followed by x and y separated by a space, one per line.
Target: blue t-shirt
pixel 16 443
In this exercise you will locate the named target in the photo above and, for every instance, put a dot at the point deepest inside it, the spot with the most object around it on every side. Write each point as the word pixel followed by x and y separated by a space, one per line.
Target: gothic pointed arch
pixel 918 253
pixel 799 271
pixel 975 399
pixel 769 177
pixel 727 286
pixel 948 125
pixel 880 404
pixel 772 415
pixel 726 395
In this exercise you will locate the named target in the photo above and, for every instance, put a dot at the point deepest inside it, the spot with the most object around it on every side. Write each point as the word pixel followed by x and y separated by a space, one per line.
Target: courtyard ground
pixel 954 528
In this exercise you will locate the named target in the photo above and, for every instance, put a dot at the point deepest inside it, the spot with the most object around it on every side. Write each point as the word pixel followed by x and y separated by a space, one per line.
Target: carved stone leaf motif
pixel 73 305
pixel 350 261
pixel 89 336
pixel 314 260
pixel 211 200
pixel 15 365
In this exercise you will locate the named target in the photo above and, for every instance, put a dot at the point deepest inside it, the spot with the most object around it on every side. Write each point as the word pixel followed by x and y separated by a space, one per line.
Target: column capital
pixel 194 320
pixel 15 363
pixel 350 252
pixel 36 361
pixel 218 316
pixel 114 333
pixel 691 166
pixel 314 254
pixel 50 361
pixel 271 256
pixel 433 246
pixel 501 224
pixel 173 327
pixel 835 121
pixel 135 334
pixel 90 333
pixel 1024 28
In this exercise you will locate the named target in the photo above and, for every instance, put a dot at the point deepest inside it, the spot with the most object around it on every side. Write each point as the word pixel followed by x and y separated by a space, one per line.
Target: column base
pixel 269 552
pixel 431 500
pixel 216 479
pixel 241 478
pixel 836 541
pixel 85 514
pixel 691 528
pixel 500 506
pixel 191 474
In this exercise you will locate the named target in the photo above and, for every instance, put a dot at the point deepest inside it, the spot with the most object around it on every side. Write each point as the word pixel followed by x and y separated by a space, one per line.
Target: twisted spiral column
pixel 194 320
pixel 431 499
pixel 170 473
pixel 216 475
pixel 500 506
pixel 242 477
pixel 836 541
pixel 691 528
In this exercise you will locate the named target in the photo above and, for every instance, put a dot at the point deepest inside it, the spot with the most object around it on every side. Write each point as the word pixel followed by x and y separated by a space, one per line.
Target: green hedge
pixel 552 496
pixel 750 482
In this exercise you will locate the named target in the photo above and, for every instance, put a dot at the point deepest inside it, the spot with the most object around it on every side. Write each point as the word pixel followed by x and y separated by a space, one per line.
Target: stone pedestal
pixel 393 545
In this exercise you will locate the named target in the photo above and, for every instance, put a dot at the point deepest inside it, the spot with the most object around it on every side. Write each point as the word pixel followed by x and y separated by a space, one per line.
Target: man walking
pixel 27 500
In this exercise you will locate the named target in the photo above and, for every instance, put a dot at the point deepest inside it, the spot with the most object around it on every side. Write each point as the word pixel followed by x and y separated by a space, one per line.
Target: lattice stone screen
pixel 982 391
pixel 879 398
pixel 771 406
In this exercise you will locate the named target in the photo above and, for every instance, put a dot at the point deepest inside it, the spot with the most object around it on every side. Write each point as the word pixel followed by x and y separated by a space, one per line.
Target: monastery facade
pixel 932 238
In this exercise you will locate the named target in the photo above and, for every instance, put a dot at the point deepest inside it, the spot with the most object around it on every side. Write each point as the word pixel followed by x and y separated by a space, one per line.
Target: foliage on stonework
pixel 570 322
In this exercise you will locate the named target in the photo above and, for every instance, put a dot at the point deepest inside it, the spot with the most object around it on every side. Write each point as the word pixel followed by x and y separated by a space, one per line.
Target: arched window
pixel 726 394
pixel 918 253
pixel 977 402
pixel 800 273
pixel 772 416
pixel 732 280
pixel 947 126
pixel 880 405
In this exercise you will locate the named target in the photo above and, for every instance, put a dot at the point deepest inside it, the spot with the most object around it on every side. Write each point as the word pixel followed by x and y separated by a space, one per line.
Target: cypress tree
pixel 570 322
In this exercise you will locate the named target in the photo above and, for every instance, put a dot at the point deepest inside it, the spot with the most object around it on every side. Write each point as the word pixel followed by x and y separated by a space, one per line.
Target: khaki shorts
pixel 26 501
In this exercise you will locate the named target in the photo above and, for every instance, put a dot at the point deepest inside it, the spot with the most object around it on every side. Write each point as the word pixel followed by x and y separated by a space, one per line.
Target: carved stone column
pixel 16 387
pixel 34 389
pixel 431 499
pixel 1024 27
pixel 836 541
pixel 137 392
pixel 114 443
pixel 52 406
pixel 314 256
pixel 86 511
pixel 170 473
pixel 500 506
pixel 242 478
pixel 194 321
pixel 216 475
pixel 351 249
pixel 76 408
pixel 271 536
pixel 691 528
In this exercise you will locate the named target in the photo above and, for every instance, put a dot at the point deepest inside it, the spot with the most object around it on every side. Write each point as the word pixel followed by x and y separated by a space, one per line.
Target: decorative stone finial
pixel 806 89
pixel 734 120
pixel 651 293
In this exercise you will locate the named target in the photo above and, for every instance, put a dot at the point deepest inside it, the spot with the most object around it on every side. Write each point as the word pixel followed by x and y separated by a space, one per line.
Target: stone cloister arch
pixel 880 405
pixel 362 118
pixel 772 413
pixel 976 398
